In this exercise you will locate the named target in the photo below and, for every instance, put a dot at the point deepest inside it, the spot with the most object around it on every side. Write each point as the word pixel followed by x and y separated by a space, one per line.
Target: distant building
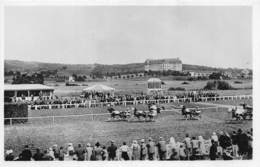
pixel 245 73
pixel 174 64
pixel 196 74
pixel 71 79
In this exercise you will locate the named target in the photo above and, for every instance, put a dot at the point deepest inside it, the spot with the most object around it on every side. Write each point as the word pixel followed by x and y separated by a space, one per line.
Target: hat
pixel 142 141
pixel 88 144
pixel 9 151
pixel 150 139
pixel 69 144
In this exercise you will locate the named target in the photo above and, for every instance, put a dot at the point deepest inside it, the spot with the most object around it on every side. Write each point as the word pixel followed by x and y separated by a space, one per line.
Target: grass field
pixel 83 129
pixel 138 86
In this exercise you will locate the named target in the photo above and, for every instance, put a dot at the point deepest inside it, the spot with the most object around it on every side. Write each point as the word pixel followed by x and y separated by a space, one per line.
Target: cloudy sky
pixel 213 36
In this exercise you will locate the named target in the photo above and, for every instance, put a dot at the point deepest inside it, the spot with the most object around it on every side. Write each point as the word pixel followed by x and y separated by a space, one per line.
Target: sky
pixel 215 36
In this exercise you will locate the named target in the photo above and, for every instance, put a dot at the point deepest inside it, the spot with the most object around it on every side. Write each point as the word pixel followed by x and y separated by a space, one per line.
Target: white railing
pixel 91 104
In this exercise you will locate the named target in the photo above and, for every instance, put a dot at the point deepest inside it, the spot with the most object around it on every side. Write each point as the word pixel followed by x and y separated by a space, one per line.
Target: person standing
pixel 187 142
pixel 143 150
pixel 202 147
pixel 162 148
pixel 213 150
pixel 88 152
pixel 242 143
pixel 234 143
pixel 80 152
pixel 124 150
pixel 98 152
pixel 151 149
pixel 135 149
pixel 111 151
pixel 61 153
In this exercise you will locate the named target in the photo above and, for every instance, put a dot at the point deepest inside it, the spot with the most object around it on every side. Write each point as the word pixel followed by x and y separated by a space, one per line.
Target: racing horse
pixel 189 113
pixel 147 114
pixel 118 115
pixel 241 112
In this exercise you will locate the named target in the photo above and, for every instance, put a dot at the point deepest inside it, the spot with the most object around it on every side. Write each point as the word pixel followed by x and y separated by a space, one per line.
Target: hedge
pixel 12 110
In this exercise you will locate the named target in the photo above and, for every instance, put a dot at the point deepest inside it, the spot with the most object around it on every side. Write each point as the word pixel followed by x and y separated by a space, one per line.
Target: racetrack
pixel 83 129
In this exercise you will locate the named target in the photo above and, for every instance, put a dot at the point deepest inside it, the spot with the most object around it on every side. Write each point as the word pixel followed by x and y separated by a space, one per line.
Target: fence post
pixel 11 122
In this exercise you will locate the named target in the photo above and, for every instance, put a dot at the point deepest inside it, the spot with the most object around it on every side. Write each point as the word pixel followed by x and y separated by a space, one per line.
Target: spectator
pixel 62 153
pixel 98 152
pixel 214 137
pixel 151 149
pixel 172 145
pixel 104 153
pixel 242 143
pixel 173 155
pixel 88 152
pixel 135 148
pixel 201 147
pixel 195 148
pixel 124 150
pixel 112 151
pixel 70 149
pixel 250 145
pixel 234 143
pixel 26 154
pixel 182 152
pixel 9 155
pixel 47 156
pixel 213 150
pixel 143 150
pixel 162 148
pixel 51 153
pixel 38 155
pixel 80 153
pixel 187 142
pixel 56 151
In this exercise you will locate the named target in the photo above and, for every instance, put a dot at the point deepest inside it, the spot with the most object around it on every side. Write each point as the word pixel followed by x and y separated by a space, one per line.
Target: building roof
pixel 13 87
pixel 98 88
pixel 161 61
pixel 154 80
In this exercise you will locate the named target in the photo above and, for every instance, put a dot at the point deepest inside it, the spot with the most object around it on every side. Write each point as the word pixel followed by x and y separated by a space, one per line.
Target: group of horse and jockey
pixel 191 113
pixel 134 113
pixel 242 112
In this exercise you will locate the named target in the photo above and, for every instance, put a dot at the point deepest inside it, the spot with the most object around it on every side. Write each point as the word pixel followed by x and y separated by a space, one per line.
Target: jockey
pixel 197 110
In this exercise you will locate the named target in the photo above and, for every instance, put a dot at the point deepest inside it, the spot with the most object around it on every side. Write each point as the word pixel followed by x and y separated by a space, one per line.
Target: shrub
pixel 218 85
pixel 12 110
pixel 177 88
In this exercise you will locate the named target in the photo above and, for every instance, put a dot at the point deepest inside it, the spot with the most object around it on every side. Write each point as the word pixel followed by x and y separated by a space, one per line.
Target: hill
pixel 86 69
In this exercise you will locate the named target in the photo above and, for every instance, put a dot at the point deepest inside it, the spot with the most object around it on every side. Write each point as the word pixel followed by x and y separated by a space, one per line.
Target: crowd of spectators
pixel 220 146
pixel 119 99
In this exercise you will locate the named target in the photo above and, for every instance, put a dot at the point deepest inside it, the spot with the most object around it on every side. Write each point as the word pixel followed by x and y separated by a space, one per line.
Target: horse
pixel 147 114
pixel 140 113
pixel 114 113
pixel 241 113
pixel 192 113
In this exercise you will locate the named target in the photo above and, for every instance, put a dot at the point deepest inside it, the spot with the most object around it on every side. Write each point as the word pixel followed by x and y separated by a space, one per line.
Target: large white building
pixel 174 64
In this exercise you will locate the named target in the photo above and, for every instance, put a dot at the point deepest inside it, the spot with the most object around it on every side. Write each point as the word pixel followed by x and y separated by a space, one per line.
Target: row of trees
pixel 36 78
